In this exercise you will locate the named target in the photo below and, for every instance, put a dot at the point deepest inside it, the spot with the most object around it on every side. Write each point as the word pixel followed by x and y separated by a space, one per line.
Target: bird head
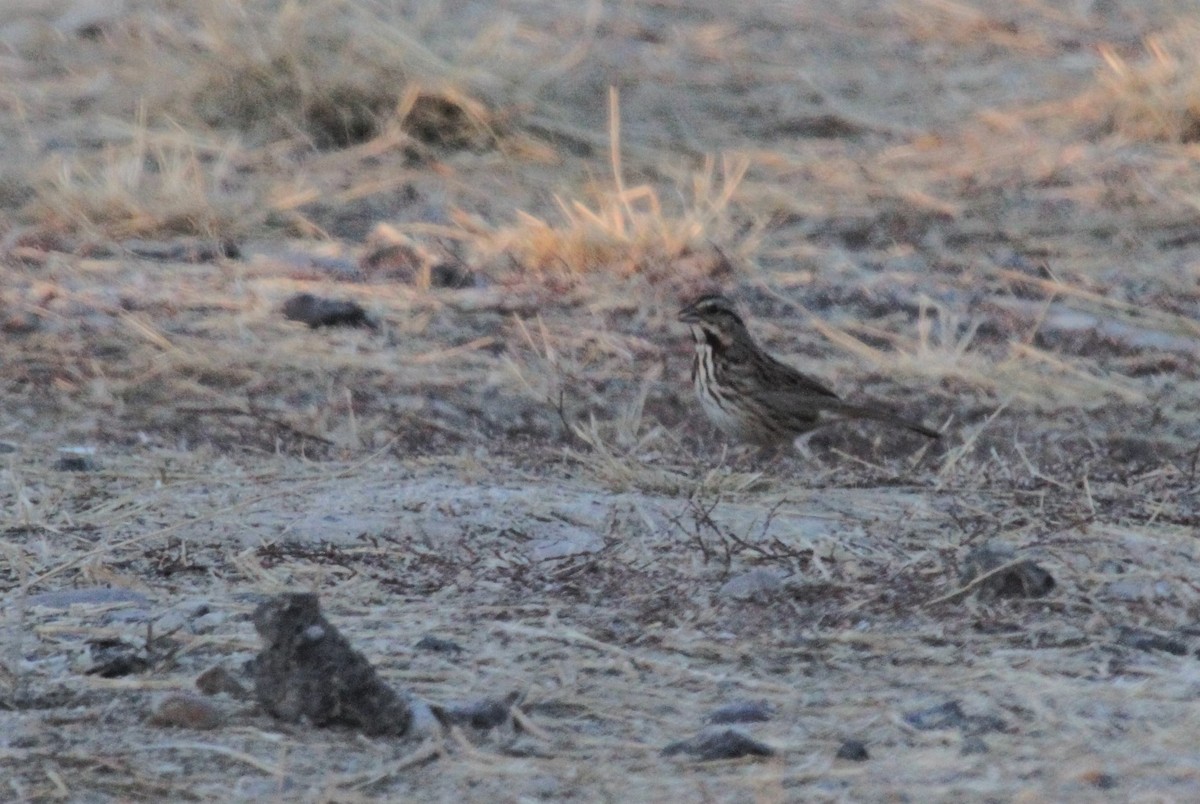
pixel 714 319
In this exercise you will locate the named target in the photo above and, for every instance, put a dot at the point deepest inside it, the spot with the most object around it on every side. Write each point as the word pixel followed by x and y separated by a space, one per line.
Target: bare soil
pixel 499 483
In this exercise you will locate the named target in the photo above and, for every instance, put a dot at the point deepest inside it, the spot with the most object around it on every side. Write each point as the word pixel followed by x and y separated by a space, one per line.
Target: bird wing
pixel 790 383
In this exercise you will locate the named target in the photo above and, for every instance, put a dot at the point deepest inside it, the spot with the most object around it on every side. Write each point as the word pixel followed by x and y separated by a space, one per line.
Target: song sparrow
pixel 752 396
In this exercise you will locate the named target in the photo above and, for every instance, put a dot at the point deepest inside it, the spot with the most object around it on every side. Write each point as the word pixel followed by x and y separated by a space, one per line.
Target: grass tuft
pixel 1157 97
pixel 156 184
pixel 623 230
pixel 335 73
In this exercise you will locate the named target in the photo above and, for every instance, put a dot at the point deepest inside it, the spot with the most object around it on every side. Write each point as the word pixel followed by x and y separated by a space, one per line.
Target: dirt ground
pixel 499 482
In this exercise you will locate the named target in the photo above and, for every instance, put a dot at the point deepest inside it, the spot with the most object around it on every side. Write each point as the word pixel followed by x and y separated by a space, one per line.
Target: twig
pixel 213 748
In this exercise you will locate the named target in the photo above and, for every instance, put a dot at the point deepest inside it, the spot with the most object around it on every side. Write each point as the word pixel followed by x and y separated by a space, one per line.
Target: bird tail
pixel 875 414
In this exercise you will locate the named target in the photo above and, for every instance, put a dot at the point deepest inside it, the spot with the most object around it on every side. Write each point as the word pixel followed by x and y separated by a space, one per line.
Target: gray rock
pixel 854 751
pixel 568 541
pixel 186 711
pixel 741 712
pixel 715 744
pixel 76 459
pixel 757 584
pixel 207 623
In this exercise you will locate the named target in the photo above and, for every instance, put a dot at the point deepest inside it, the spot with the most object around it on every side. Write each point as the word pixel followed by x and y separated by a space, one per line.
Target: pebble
pixel 741 712
pixel 216 680
pixel 757 584
pixel 853 750
pixel 187 711
pixel 973 745
pixel 713 744
pixel 208 622
pixel 76 459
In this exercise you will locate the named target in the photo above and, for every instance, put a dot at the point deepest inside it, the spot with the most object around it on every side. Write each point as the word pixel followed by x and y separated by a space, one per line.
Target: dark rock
pixel 308 671
pixel 1141 639
pixel 395 256
pixel 76 459
pixel 435 644
pixel 973 745
pixel 714 744
pixel 759 584
pixel 949 715
pixel 741 712
pixel 484 714
pixel 946 715
pixel 853 750
pixel 113 658
pixel 183 250
pixel 319 312
pixel 1019 579
pixel 451 275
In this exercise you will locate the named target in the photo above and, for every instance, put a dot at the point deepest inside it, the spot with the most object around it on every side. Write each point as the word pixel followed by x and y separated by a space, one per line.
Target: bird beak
pixel 688 315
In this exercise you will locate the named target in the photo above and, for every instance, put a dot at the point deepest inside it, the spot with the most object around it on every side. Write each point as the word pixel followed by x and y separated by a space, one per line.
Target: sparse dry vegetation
pixel 157 184
pixel 986 215
pixel 1154 96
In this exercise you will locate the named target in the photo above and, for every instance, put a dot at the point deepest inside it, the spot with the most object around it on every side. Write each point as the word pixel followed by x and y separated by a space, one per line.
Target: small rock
pixel 308 671
pixel 170 622
pixel 319 312
pixel 186 711
pixel 206 623
pixel 714 744
pixel 112 658
pixel 741 712
pixel 451 275
pixel 949 715
pixel 216 680
pixel 29 737
pixel 393 255
pixel 126 616
pixel 89 18
pixel 973 745
pixel 76 459
pixel 1021 579
pixel 183 250
pixel 425 722
pixel 484 714
pixel 7 447
pixel 569 541
pixel 1142 639
pixel 946 715
pixel 18 322
pixel 435 644
pixel 853 750
pixel 757 584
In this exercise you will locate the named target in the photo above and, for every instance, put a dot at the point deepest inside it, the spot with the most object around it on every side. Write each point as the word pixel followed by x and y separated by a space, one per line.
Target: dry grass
pixel 625 231
pixel 217 105
pixel 334 73
pixel 1156 96
pixel 160 184
pixel 942 350
pixel 902 201
pixel 965 25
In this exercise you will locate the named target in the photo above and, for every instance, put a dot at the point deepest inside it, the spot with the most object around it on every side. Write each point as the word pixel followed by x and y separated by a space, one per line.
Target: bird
pixel 753 397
